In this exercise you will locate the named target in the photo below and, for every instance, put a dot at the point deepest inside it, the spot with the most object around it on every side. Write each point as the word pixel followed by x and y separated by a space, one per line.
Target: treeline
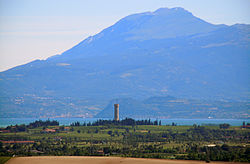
pixel 132 122
pixel 41 123
pixel 126 122
pixel 36 124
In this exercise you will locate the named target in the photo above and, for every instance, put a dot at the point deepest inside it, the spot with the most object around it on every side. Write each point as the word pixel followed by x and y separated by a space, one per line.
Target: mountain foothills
pixel 138 62
pixel 171 107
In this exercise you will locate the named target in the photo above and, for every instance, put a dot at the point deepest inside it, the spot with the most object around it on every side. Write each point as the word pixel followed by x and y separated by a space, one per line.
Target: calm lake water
pixel 67 121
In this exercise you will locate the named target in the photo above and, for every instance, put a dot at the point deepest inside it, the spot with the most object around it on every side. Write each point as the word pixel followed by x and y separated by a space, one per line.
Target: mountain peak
pixel 162 23
pixel 165 11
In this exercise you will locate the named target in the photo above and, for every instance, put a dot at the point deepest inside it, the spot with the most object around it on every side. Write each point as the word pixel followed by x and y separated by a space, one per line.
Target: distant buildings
pixel 5 131
pixel 116 114
pixel 211 145
pixel 49 130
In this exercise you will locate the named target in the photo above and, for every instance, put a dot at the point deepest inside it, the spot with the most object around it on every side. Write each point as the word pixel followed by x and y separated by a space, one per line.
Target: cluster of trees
pixel 16 128
pixel 218 153
pixel 36 124
pixel 41 123
pixel 195 134
pixel 224 126
pixel 126 121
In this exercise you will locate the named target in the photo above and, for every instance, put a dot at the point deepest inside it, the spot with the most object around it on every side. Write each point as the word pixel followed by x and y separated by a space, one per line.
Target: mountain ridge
pixel 172 107
pixel 129 59
pixel 125 22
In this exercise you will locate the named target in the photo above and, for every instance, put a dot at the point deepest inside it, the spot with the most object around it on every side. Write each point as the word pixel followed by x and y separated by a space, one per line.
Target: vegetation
pixel 126 121
pixel 224 126
pixel 130 138
pixel 4 159
pixel 36 124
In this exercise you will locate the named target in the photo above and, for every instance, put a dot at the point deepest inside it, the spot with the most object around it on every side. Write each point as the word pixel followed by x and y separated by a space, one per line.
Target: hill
pixel 172 107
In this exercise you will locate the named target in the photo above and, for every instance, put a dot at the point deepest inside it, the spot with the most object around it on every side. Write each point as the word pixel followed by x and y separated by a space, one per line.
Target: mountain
pixel 172 107
pixel 128 107
pixel 160 53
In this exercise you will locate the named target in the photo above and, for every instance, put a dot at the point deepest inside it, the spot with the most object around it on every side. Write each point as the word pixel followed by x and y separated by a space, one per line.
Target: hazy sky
pixel 37 29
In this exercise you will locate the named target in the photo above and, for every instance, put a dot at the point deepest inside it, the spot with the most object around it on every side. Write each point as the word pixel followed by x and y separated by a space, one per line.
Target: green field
pixel 4 159
pixel 144 141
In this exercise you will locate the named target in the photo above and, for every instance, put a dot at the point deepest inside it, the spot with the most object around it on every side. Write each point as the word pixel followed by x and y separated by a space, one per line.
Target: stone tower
pixel 116 117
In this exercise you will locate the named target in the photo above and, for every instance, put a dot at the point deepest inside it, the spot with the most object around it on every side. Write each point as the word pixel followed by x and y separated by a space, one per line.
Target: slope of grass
pixel 4 159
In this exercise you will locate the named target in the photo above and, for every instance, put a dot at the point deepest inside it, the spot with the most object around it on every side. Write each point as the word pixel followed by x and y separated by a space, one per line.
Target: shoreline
pixel 63 121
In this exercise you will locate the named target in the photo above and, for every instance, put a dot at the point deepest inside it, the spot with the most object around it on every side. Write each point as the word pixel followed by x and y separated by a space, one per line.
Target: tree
pixel 224 126
pixel 156 122
pixel 173 124
pixel 61 128
pixel 110 132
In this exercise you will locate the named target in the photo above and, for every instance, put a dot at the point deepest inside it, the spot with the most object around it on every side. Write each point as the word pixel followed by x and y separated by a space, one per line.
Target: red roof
pixel 4 131
pixel 50 130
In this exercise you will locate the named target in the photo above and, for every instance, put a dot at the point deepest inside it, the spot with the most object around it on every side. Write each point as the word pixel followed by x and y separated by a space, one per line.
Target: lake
pixel 67 121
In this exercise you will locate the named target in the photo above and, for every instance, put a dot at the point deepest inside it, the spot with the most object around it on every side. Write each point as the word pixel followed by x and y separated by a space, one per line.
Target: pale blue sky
pixel 37 29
